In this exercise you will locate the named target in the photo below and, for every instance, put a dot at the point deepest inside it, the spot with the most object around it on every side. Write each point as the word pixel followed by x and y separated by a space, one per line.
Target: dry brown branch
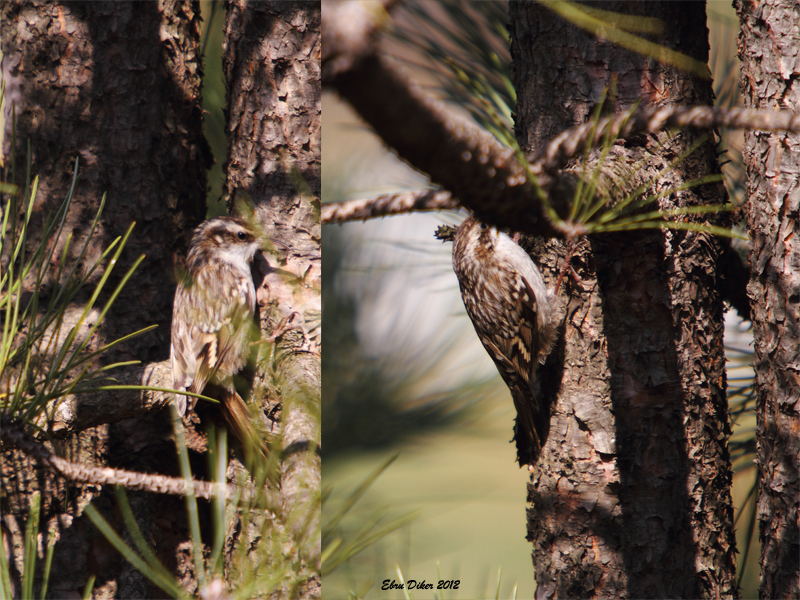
pixel 388 204
pixel 14 435
pixel 469 162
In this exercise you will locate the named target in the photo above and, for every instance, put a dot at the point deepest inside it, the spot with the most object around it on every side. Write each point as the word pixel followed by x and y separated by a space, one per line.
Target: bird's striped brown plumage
pixel 513 315
pixel 212 320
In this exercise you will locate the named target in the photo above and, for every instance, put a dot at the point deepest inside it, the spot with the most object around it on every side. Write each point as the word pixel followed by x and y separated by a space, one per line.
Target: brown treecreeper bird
pixel 212 321
pixel 514 316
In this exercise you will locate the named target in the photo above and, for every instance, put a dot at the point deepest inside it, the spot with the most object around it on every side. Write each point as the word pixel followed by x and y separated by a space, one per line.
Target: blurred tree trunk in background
pixel 117 85
pixel 631 497
pixel 272 68
pixel 768 47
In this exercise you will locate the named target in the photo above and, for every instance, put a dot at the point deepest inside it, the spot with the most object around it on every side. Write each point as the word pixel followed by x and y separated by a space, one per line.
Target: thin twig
pixel 650 120
pixel 389 204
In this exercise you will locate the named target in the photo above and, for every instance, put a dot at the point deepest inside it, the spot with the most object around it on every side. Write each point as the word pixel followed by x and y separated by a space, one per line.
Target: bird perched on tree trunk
pixel 514 316
pixel 212 321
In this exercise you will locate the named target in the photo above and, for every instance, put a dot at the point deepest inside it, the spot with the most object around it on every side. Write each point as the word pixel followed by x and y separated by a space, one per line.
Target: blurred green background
pixel 404 373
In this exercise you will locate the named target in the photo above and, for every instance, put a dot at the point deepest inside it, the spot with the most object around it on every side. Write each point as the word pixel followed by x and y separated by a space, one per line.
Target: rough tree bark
pixel 272 66
pixel 116 84
pixel 768 47
pixel 631 495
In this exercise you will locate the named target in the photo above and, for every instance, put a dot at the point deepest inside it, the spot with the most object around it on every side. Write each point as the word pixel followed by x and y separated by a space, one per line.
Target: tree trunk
pixel 117 85
pixel 272 66
pixel 768 45
pixel 631 497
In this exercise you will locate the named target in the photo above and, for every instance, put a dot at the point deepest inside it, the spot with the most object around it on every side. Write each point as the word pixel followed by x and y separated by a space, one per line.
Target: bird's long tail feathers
pixel 237 416
pixel 526 432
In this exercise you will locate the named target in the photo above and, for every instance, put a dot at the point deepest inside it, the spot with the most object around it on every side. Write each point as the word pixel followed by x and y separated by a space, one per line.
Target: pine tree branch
pixel 477 169
pixel 567 145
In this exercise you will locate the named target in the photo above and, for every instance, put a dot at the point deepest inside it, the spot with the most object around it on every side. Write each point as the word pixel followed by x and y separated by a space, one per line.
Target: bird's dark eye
pixel 241 235
pixel 483 225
